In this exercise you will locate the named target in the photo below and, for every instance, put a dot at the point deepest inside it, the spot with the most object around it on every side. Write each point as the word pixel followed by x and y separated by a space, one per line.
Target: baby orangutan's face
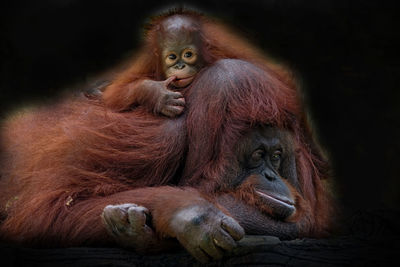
pixel 180 51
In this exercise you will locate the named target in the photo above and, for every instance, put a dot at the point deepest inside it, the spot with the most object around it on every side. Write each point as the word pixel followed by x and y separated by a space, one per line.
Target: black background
pixel 346 54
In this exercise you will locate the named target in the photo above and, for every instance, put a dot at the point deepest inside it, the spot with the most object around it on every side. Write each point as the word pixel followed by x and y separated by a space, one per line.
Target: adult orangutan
pixel 264 178
pixel 261 193
pixel 62 167
pixel 246 98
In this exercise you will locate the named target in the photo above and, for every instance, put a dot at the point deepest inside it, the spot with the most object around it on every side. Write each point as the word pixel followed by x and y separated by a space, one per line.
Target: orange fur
pixel 217 40
pixel 61 165
pixel 236 96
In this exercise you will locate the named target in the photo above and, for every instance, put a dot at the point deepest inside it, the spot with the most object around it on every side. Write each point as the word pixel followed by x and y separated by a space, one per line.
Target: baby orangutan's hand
pixel 168 103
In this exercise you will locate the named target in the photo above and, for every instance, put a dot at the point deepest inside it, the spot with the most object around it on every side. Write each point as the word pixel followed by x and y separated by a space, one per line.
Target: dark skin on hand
pixel 202 229
pixel 263 171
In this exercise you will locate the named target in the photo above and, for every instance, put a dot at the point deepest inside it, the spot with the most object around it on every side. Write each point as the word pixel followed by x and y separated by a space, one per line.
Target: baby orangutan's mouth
pixel 183 81
pixel 183 78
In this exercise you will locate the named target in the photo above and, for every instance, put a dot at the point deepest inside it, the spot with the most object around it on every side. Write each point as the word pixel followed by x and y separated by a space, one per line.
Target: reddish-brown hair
pixel 217 42
pixel 235 97
pixel 60 164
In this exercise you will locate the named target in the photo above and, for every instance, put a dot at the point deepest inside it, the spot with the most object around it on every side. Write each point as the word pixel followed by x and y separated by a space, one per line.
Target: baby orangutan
pixel 262 175
pixel 178 45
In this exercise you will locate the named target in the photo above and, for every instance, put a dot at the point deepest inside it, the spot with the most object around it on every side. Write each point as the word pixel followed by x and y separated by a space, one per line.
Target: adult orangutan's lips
pixel 281 200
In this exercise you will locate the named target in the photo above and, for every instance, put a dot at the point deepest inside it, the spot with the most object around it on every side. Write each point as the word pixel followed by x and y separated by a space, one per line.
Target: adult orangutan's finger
pixel 232 227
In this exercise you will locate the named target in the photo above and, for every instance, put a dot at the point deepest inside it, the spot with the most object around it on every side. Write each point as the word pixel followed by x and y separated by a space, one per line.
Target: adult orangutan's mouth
pixel 280 200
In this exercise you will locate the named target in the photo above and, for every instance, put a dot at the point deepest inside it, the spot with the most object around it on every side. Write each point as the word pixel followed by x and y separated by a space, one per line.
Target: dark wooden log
pixel 372 239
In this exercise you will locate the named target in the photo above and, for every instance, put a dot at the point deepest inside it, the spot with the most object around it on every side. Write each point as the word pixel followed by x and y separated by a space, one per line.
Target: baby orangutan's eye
pixel 171 59
pixel 188 54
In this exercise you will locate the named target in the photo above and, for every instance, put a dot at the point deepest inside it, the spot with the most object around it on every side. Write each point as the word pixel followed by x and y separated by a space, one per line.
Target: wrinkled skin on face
pixel 180 50
pixel 266 170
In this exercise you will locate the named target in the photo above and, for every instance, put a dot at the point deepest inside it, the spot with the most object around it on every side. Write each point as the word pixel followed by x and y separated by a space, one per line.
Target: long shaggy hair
pixel 217 42
pixel 55 158
pixel 235 97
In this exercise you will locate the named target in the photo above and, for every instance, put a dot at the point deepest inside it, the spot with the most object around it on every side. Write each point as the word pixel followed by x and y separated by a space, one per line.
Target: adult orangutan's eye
pixel 275 158
pixel 258 155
